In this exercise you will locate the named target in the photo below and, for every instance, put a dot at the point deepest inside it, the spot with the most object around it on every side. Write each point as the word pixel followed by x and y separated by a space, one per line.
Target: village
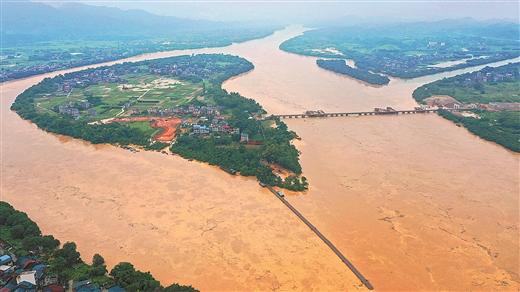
pixel 31 63
pixel 24 273
pixel 490 90
pixel 202 121
pixel 192 119
pixel 29 274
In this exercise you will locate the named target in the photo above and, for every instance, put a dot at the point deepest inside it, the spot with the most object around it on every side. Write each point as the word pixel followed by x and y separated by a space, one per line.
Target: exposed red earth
pixel 168 126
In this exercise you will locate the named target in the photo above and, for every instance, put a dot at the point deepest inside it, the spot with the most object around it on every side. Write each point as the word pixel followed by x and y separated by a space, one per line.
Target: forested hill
pixel 26 22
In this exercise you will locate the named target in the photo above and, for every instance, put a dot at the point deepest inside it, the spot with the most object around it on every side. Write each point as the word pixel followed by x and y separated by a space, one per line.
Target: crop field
pixel 138 92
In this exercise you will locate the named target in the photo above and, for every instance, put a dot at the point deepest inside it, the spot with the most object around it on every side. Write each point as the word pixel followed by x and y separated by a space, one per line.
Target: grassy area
pixel 145 127
pixel 485 93
pixel 144 91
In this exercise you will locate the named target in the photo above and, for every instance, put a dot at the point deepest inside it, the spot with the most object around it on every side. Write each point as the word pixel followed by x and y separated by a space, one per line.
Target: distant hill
pixel 26 22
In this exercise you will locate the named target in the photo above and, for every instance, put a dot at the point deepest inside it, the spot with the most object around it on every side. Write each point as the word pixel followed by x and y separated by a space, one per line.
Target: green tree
pixel 17 231
pixel 69 253
pixel 127 277
pixel 179 288
pixel 98 268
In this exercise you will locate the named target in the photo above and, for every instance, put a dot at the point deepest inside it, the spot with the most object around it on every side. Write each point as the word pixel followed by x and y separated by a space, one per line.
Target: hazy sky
pixel 311 11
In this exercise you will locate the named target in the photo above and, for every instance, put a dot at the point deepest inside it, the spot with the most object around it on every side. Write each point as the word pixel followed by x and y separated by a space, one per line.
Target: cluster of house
pixel 490 76
pixel 28 274
pixel 24 71
pixel 90 77
pixel 186 69
pixel 58 60
pixel 203 119
pixel 73 108
pixel 455 105
pixel 25 274
pixel 434 44
pixel 216 126
pixel 407 63
pixel 459 105
pixel 181 70
pixel 501 106
pixel 88 286
pixel 193 110
pixel 57 64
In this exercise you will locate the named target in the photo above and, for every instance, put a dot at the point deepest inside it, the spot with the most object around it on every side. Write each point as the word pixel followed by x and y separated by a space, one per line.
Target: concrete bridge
pixel 321 114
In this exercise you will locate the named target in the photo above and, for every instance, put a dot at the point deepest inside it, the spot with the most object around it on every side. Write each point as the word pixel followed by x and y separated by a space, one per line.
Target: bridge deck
pixel 352 114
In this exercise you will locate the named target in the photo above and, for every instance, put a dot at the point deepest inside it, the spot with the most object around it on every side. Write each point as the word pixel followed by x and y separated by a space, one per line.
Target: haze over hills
pixel 38 38
pixel 450 27
pixel 26 22
pixel 313 12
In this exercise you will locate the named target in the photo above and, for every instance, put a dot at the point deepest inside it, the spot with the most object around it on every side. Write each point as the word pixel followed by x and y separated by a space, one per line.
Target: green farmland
pixel 138 92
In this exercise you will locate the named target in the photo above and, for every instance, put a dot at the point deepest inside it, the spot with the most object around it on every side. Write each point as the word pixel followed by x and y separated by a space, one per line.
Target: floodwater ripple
pixel 414 201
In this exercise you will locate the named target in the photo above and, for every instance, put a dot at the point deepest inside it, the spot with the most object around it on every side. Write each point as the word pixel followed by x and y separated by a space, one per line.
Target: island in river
pixel 340 66
pixel 125 104
pixel 421 185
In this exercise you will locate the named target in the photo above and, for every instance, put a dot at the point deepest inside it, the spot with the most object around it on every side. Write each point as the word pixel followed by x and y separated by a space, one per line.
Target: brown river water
pixel 414 201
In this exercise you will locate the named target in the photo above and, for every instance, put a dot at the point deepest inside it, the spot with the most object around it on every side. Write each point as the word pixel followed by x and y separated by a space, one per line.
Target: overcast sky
pixel 312 11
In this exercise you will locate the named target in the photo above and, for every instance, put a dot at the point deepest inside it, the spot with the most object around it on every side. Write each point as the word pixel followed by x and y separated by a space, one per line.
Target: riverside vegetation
pixel 495 91
pixel 341 67
pixel 413 49
pixel 63 261
pixel 218 127
pixel 39 38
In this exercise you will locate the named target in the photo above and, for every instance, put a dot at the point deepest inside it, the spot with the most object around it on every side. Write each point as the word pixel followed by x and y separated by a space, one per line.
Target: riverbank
pixel 201 231
pixel 399 180
pixel 425 187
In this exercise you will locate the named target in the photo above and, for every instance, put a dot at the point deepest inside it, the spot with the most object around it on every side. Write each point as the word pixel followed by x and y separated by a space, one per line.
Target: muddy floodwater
pixel 415 202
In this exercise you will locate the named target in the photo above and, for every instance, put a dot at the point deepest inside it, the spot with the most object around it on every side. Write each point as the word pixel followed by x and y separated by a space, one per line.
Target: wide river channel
pixel 414 201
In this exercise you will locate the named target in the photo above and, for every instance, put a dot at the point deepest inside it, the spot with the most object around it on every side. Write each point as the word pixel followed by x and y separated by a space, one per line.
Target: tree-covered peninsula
pixel 173 104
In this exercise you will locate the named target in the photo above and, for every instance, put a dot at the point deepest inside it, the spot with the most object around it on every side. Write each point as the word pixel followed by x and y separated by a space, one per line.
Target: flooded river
pixel 414 201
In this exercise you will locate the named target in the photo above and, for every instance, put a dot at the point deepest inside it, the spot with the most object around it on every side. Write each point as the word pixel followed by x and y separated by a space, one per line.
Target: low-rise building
pixel 244 137
pixel 27 276
pixel 200 129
